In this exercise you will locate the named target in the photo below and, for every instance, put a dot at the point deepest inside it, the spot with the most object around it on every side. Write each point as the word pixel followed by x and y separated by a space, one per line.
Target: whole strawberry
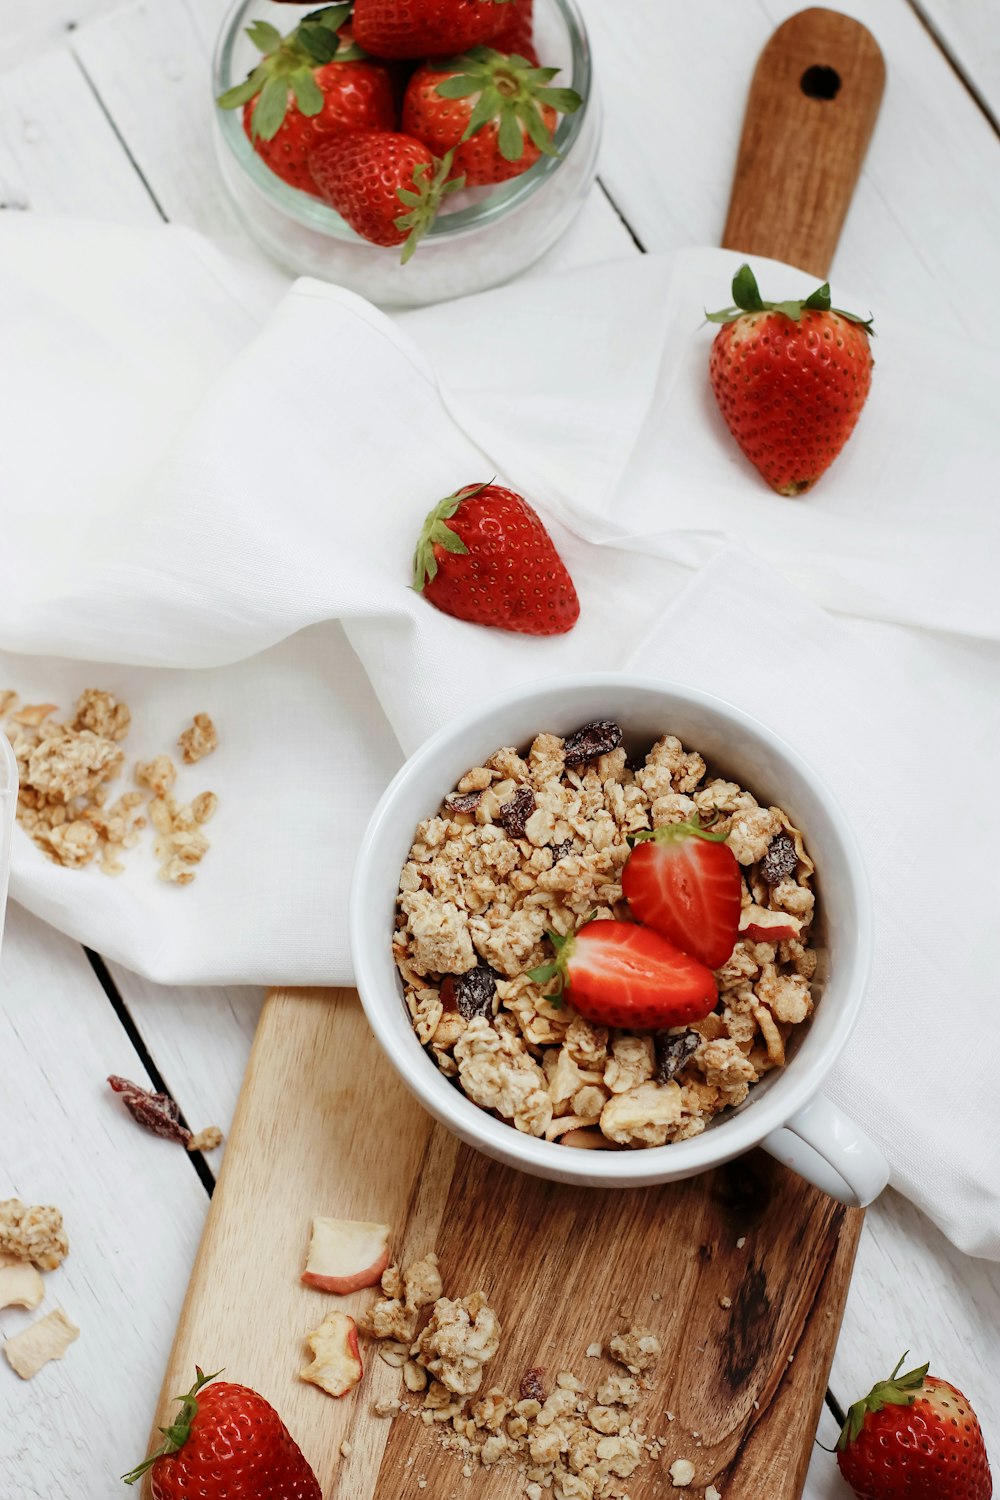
pixel 790 379
pixel 483 555
pixel 914 1437
pixel 496 113
pixel 517 34
pixel 228 1443
pixel 426 28
pixel 309 84
pixel 387 186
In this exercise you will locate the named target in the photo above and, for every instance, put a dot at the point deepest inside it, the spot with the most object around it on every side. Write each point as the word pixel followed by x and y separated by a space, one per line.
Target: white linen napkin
pixel 202 516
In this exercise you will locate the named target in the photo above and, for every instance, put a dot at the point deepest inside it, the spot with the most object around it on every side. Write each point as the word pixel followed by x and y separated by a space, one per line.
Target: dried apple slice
pixel 346 1255
pixel 20 1283
pixel 336 1367
pixel 761 925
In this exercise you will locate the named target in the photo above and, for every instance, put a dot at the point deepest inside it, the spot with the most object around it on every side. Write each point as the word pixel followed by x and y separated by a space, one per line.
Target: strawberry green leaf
pixel 510 137
pixel 243 92
pixel 746 293
pixel 272 108
pixel 538 131
pixel 428 191
pixel 747 299
pixel 308 94
pixel 566 101
pixel 461 86
pixel 435 532
pixel 330 16
pixel 265 37
pixel 320 43
pixel 898 1390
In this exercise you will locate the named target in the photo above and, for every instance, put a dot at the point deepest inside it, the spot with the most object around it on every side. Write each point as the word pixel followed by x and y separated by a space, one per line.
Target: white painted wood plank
pixel 970 31
pixel 58 153
pixel 199 1038
pixel 926 218
pixel 133 1208
pixel 29 27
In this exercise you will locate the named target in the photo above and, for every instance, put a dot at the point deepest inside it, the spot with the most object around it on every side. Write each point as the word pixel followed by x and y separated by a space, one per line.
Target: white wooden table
pixel 104 113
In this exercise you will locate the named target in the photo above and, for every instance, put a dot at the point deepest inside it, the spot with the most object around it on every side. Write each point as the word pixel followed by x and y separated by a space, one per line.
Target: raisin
pixel 515 813
pixel 474 991
pixel 672 1052
pixel 780 859
pixel 560 851
pixel 592 740
pixel 155 1112
pixel 462 802
pixel 533 1384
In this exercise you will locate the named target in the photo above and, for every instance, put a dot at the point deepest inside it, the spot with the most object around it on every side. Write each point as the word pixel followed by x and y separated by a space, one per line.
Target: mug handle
pixel 828 1150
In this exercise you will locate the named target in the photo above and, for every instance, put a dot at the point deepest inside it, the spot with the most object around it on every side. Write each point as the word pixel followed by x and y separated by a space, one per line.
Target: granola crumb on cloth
pixel 533 844
pixel 198 740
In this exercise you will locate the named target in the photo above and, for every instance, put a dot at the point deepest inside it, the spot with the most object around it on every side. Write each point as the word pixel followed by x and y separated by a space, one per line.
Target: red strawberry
pixel 310 84
pixel 426 28
pixel 227 1443
pixel 494 563
pixel 790 379
pixel 387 186
pixel 685 883
pixel 620 974
pixel 916 1438
pixel 518 34
pixel 497 113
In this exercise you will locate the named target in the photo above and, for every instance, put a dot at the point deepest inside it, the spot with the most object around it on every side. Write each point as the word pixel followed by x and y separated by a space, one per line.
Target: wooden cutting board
pixel 324 1127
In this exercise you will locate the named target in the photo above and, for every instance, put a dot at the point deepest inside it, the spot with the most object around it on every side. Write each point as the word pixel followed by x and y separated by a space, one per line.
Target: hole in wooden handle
pixel 818 82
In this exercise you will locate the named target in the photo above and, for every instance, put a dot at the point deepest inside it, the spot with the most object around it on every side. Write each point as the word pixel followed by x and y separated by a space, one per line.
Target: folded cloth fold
pixel 211 500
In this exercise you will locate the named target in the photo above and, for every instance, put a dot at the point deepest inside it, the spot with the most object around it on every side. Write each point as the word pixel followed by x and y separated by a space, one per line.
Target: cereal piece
pixel 159 774
pixel 388 1318
pixel 387 1408
pixel 157 1113
pixel 72 764
pixel 346 1448
pixel 209 1139
pixel 643 1116
pixel 636 1350
pixel 414 1377
pixel 592 740
pixel 176 871
pixel 724 1064
pixel 34 1234
pixel 681 1473
pixel 199 740
pixel 73 844
pixel 422 1282
pixel 594 1351
pixel 712 1493
pixel 618 1390
pixel 440 935
pixel 103 713
pixel 8 701
pixel 632 1062
pixel 461 1337
pixel 497 1072
pixel 20 1283
pixel 750 833
pixel 204 806
pixel 39 1343
pixel 33 714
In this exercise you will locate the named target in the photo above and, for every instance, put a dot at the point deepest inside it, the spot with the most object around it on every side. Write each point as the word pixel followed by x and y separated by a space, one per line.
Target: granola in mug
pixel 527 847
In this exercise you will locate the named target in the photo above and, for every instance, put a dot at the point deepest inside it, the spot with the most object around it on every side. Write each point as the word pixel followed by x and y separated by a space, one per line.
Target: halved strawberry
pixel 685 883
pixel 620 974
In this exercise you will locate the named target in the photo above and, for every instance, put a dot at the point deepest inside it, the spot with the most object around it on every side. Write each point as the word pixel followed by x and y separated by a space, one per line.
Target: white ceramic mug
pixel 8 805
pixel 786 1112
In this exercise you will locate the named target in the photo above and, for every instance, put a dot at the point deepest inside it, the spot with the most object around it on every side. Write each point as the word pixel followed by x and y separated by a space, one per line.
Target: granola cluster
pixel 536 843
pixel 34 1234
pixel 563 1437
pixel 64 770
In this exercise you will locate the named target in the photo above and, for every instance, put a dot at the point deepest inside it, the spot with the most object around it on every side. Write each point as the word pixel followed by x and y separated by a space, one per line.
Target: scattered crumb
pixel 741 1242
pixel 41 1342
pixel 655 1296
pixel 725 1301
pixel 712 1493
pixel 756 1406
pixel 790 1358
pixel 20 1283
pixel 681 1473
pixel 387 1408
pixel 199 740
pixel 670 1416
pixel 594 1351
pixel 346 1448
pixel 209 1139
pixel 34 1234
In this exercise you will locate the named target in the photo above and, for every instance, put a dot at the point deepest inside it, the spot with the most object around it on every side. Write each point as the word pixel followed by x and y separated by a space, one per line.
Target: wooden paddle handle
pixel 812 108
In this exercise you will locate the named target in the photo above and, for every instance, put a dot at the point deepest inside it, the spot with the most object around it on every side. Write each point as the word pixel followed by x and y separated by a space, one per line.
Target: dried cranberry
pixel 475 990
pixel 154 1112
pixel 672 1052
pixel 780 859
pixel 599 738
pixel 560 851
pixel 533 1385
pixel 515 813
pixel 462 802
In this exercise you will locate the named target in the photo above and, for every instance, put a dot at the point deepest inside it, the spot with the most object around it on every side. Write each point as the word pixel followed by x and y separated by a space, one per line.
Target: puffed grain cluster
pixel 530 844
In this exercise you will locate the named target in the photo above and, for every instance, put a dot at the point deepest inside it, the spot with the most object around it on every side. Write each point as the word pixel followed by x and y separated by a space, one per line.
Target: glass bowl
pixel 483 237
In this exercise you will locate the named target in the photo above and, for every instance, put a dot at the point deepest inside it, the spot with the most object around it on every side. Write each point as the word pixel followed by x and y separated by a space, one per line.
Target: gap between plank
pixel 637 242
pixel 119 138
pixel 944 47
pixel 204 1171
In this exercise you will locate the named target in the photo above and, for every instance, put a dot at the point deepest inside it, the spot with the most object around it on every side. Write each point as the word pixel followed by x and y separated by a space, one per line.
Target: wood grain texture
pixel 324 1126
pixel 801 150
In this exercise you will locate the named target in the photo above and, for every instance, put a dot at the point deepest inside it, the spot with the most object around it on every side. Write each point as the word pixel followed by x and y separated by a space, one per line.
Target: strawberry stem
pixel 177 1434
pixel 898 1390
pixel 747 299
pixel 676 833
